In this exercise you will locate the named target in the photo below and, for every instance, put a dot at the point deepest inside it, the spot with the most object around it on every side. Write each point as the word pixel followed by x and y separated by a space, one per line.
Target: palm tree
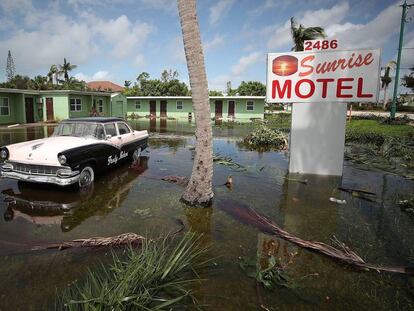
pixel 386 80
pixel 301 33
pixel 65 68
pixel 199 190
pixel 38 83
pixel 52 75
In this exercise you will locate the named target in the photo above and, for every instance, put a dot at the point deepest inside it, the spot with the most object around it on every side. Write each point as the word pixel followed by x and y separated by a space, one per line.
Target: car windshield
pixel 90 130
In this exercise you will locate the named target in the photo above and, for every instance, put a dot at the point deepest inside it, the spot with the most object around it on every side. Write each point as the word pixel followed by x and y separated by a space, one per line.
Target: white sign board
pixel 323 76
pixel 317 138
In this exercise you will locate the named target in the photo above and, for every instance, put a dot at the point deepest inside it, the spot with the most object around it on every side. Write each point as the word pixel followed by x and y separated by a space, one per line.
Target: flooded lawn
pixel 136 200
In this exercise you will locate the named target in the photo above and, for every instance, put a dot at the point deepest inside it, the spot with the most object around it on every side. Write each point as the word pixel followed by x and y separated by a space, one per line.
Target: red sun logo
pixel 285 65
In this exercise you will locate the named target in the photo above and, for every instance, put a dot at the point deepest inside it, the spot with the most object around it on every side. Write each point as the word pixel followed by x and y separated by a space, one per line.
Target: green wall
pixel 16 109
pixel 119 105
pixel 60 106
pixel 172 112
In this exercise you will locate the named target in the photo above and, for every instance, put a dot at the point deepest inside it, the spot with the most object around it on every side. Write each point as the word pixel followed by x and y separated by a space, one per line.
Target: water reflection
pixel 70 207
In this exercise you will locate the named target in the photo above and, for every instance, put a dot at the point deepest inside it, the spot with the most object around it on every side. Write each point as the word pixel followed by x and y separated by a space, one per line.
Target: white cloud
pixel 102 75
pixel 48 36
pixel 239 71
pixel 139 60
pixel 216 42
pixel 280 34
pixel 123 35
pixel 219 10
pixel 245 62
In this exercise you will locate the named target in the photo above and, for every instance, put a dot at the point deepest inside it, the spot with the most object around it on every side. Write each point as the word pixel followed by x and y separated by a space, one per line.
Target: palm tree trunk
pixel 199 190
pixel 384 105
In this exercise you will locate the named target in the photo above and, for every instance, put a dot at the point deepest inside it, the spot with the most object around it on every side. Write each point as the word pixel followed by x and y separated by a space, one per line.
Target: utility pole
pixel 397 71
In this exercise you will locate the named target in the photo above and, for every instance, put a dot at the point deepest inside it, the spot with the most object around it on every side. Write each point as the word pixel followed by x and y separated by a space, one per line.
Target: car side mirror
pixel 108 136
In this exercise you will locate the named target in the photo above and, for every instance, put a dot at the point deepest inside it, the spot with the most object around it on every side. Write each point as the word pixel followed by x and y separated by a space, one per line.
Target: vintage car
pixel 78 149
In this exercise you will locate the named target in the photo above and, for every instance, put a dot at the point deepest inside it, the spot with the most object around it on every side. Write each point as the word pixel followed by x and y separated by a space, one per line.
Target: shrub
pixel 157 277
pixel 266 138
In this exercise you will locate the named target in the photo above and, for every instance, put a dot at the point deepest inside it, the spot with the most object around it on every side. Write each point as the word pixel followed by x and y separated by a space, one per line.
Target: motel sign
pixel 319 81
pixel 323 76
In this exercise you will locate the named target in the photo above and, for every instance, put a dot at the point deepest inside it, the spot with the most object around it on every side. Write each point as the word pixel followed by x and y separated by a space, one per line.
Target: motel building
pixel 32 106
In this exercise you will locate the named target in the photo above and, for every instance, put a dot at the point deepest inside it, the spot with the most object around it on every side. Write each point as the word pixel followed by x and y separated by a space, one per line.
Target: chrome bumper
pixel 60 181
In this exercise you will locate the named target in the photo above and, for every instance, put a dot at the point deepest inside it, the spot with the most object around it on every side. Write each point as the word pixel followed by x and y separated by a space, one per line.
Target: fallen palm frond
pixel 227 161
pixel 119 240
pixel 249 216
pixel 179 180
pixel 125 239
pixel 160 276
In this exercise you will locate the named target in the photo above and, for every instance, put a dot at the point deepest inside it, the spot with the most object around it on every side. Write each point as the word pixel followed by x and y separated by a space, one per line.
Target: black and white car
pixel 77 150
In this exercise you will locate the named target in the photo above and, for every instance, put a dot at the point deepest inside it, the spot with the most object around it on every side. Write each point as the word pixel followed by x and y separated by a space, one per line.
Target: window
pixel 100 105
pixel 75 104
pixel 179 105
pixel 250 105
pixel 138 105
pixel 4 106
pixel 80 130
pixel 123 128
pixel 110 129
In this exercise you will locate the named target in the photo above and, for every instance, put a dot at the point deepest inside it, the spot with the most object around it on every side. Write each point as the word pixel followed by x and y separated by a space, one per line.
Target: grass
pixel 374 127
pixel 159 276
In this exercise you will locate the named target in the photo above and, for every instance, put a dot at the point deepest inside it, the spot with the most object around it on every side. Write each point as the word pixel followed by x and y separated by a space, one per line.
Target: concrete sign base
pixel 317 138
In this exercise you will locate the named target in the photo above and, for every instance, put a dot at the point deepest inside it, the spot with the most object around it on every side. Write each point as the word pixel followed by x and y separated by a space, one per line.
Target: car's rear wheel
pixel 136 154
pixel 86 177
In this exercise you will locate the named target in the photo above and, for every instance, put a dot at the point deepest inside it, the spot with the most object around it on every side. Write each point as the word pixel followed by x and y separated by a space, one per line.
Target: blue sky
pixel 117 39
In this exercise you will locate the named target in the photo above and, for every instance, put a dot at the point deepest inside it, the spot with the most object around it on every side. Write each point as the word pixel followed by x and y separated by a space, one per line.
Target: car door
pixel 112 135
pixel 126 137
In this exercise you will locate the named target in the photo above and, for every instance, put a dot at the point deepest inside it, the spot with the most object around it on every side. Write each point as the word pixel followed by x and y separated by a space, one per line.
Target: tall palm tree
pixel 199 190
pixel 52 75
pixel 65 68
pixel 386 80
pixel 301 33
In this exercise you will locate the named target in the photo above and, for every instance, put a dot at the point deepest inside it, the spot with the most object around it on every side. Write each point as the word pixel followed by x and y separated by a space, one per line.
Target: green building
pixel 31 106
pixel 222 107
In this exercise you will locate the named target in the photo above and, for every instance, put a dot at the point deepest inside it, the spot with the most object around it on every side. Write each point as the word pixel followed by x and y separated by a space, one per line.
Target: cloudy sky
pixel 117 39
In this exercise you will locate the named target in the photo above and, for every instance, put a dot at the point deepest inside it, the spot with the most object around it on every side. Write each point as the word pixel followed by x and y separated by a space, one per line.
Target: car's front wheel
pixel 86 177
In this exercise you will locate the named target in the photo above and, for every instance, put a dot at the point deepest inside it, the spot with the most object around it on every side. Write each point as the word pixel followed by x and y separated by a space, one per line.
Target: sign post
pixel 319 84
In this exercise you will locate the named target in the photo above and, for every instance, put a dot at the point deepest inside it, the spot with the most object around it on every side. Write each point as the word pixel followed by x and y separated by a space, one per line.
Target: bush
pixel 157 277
pixel 266 138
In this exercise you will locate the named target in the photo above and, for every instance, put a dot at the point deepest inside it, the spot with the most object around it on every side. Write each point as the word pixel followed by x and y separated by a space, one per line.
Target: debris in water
pixel 229 182
pixel 247 215
pixel 227 161
pixel 302 181
pixel 407 206
pixel 179 180
pixel 332 199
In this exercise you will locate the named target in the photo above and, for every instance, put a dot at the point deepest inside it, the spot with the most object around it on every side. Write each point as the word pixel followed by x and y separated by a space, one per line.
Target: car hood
pixel 44 151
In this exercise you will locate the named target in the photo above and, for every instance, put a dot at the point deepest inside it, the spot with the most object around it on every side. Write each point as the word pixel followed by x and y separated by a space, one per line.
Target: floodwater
pixel 136 200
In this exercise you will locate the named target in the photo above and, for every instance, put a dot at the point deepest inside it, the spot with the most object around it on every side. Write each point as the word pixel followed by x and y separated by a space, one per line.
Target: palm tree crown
pixel 301 33
pixel 65 68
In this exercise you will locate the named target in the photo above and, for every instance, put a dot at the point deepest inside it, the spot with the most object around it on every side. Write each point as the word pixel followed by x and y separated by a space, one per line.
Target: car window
pixel 110 129
pixel 100 134
pixel 123 128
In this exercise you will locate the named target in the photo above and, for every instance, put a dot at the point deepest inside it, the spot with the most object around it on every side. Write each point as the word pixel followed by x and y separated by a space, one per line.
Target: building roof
pixel 189 97
pixel 37 92
pixel 94 119
pixel 104 85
